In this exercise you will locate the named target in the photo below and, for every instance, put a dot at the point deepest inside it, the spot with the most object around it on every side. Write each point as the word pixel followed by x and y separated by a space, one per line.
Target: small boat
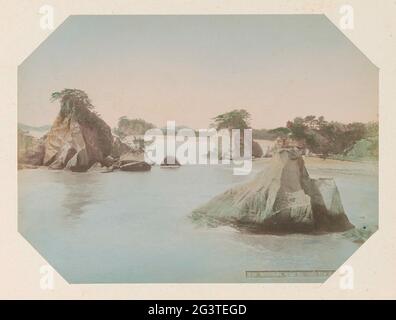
pixel 170 163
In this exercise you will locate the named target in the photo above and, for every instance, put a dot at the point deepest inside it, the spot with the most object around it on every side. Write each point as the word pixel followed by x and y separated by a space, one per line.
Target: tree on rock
pixel 72 100
pixel 78 137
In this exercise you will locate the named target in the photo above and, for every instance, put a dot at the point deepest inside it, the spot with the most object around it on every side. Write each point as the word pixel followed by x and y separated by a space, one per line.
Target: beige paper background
pixel 374 263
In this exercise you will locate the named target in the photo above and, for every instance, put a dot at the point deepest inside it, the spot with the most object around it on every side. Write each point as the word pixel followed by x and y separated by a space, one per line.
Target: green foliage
pixel 76 103
pixel 372 129
pixel 363 149
pixel 127 127
pixel 264 134
pixel 280 132
pixel 72 101
pixel 235 119
pixel 323 137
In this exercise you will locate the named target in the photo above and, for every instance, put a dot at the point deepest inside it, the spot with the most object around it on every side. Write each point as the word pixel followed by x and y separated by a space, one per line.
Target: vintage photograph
pixel 197 148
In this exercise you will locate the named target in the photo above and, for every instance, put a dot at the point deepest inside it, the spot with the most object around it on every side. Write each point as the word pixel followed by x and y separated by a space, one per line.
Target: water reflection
pixel 121 227
pixel 81 190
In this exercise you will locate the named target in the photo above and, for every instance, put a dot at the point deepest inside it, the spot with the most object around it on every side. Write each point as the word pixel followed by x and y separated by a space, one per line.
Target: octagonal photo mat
pixel 98 211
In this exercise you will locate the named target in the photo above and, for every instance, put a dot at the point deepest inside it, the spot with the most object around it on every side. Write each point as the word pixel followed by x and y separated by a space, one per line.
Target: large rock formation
pixel 77 140
pixel 281 199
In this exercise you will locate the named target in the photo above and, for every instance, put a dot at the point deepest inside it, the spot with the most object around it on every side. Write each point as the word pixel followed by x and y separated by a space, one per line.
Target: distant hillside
pixel 350 141
pixel 26 127
pixel 264 134
pixel 364 149
pixel 178 128
pixel 36 132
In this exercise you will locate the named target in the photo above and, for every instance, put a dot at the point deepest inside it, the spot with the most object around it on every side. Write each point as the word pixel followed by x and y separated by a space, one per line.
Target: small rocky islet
pixel 281 199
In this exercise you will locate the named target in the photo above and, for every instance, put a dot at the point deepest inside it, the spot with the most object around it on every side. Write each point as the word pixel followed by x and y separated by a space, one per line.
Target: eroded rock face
pixel 76 145
pixel 281 199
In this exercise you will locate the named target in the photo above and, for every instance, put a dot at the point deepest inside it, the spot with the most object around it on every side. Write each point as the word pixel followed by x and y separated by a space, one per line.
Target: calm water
pixel 133 226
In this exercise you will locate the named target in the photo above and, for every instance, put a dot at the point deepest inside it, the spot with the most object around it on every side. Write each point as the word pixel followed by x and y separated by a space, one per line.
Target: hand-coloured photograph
pixel 197 148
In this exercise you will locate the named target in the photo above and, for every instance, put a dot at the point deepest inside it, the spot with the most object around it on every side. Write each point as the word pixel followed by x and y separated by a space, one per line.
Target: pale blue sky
pixel 191 68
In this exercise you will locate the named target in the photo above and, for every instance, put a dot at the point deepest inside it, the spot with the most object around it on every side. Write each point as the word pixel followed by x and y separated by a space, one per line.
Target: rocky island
pixel 282 199
pixel 79 140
